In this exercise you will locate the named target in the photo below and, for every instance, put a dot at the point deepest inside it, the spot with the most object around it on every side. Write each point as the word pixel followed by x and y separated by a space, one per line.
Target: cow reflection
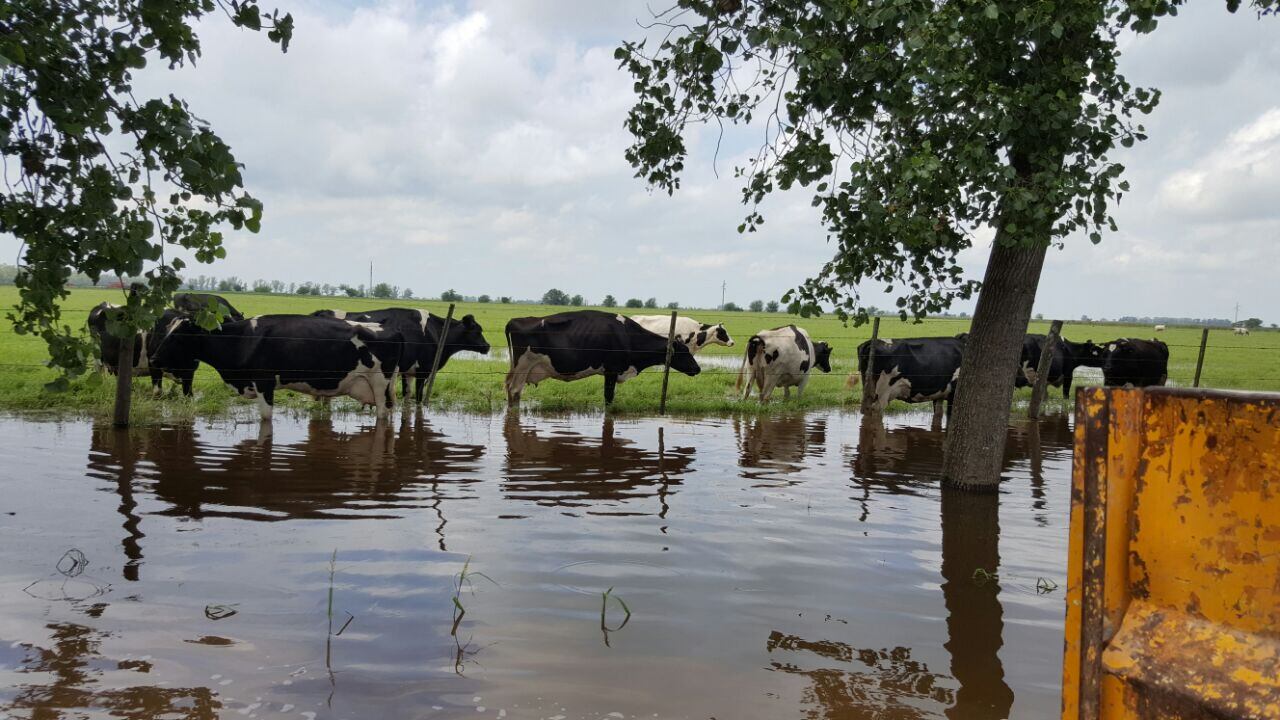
pixel 895 461
pixel 866 683
pixel 66 683
pixel 563 469
pixel 907 460
pixel 369 473
pixel 773 448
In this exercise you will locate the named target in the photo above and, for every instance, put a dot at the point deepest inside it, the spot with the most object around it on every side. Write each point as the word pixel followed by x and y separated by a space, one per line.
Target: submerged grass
pixel 472 385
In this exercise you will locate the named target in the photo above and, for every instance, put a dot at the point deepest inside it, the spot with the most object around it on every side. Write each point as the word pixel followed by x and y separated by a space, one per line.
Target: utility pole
pixel 1237 320
pixel 368 290
pixel 723 285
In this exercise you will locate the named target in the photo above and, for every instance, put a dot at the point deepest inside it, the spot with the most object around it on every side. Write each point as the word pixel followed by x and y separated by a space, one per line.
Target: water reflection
pixel 889 684
pixel 561 468
pixel 1029 442
pixel 729 605
pixel 121 455
pixel 975 617
pixel 71 669
pixel 329 474
pixel 773 448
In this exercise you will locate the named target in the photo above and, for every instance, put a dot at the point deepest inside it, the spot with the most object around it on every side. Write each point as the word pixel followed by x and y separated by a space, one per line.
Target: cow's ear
pixel 468 319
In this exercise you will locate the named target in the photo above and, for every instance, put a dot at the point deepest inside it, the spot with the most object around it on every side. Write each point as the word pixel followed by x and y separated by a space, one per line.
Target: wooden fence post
pixel 1043 367
pixel 666 367
pixel 1204 340
pixel 124 380
pixel 868 387
pixel 435 363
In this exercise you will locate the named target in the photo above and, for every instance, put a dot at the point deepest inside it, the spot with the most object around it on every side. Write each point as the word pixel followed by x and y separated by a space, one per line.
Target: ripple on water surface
pixel 527 567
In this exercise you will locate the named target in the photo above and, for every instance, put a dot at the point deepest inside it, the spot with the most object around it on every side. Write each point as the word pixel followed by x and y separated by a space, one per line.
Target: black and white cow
pixel 421 332
pixel 192 303
pixel 781 358
pixel 695 335
pixel 1062 366
pixel 1128 361
pixel 321 357
pixel 572 345
pixel 144 344
pixel 914 370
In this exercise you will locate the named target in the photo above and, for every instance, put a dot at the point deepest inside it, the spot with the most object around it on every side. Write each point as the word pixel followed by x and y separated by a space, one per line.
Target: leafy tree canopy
pixel 609 301
pixel 555 297
pixel 98 180
pixel 916 123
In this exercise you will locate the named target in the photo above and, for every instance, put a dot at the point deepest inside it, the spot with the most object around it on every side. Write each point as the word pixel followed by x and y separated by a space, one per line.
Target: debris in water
pixel 218 612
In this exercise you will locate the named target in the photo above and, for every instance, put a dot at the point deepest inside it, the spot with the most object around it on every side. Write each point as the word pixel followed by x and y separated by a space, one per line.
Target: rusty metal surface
pixel 1191 662
pixel 1187 620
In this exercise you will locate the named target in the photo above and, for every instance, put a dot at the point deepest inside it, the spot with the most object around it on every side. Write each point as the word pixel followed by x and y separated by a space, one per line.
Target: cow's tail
pixel 511 349
pixel 754 346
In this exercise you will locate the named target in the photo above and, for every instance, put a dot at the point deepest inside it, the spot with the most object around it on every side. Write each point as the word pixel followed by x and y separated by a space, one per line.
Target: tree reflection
pixel 71 668
pixel 885 683
pixel 113 456
pixel 560 468
pixel 975 618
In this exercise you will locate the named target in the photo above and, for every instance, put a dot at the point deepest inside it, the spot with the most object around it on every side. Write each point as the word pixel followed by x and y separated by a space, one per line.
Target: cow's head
pixel 682 360
pixel 822 356
pixel 338 314
pixel 1117 352
pixel 1088 353
pixel 467 334
pixel 709 335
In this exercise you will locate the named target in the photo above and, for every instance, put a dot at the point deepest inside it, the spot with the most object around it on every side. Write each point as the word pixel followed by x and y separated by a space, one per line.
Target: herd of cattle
pixel 331 353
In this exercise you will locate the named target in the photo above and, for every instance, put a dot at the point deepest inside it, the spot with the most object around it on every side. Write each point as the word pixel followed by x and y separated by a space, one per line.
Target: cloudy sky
pixel 479 146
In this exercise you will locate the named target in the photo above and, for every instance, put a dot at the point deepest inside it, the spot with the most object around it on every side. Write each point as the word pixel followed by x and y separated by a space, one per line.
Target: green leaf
pixel 992 11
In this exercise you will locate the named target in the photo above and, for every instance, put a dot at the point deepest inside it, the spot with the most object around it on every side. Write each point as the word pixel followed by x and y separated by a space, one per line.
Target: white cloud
pixel 1240 179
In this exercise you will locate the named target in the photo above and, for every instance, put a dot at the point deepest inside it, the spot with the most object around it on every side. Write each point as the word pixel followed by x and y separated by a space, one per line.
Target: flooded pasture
pixel 775 567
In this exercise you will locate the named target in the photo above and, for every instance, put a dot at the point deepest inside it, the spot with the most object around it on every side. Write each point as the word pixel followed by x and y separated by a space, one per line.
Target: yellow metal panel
pixel 1178 616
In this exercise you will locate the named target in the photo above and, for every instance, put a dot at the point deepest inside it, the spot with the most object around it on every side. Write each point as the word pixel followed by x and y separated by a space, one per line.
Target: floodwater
pixel 785 567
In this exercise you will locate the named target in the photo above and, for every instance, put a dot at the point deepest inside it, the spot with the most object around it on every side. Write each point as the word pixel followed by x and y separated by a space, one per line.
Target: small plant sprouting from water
pixel 982 576
pixel 1045 586
pixel 460 580
pixel 605 597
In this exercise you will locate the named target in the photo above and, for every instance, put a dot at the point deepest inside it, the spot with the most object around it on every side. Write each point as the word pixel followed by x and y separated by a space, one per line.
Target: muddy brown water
pixel 784 567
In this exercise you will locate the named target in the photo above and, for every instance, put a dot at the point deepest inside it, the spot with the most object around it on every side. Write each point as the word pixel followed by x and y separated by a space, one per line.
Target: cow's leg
pixel 265 398
pixel 404 384
pixel 513 384
pixel 1066 386
pixel 786 392
pixel 419 386
pixel 937 409
pixel 766 389
pixel 186 383
pixel 610 384
pixel 157 379
pixel 389 396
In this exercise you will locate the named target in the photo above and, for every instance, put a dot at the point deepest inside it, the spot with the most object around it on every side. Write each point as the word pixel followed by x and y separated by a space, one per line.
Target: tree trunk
pixel 974 446
pixel 124 379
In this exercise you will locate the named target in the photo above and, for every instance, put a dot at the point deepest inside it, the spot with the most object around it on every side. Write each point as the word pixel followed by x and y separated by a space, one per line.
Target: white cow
pixel 781 357
pixel 693 334
pixel 1241 330
pixel 1160 328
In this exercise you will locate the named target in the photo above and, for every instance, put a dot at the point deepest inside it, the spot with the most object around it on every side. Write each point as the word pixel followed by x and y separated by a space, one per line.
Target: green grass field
pixel 1236 362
